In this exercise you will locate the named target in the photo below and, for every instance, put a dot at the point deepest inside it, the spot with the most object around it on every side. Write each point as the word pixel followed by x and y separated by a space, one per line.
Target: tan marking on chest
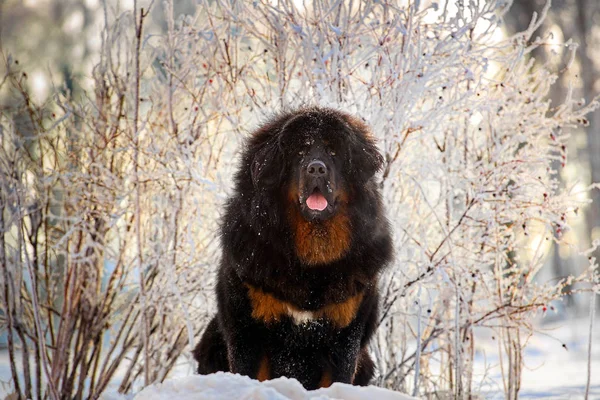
pixel 266 307
pixel 320 242
pixel 269 309
pixel 343 313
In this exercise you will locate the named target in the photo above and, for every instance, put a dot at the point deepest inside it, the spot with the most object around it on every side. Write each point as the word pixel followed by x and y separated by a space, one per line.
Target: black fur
pixel 259 249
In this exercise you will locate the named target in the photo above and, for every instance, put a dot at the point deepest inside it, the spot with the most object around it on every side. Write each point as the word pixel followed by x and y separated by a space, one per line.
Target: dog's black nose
pixel 316 168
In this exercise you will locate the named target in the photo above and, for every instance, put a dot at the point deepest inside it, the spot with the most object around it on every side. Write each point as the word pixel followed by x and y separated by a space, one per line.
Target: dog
pixel 304 238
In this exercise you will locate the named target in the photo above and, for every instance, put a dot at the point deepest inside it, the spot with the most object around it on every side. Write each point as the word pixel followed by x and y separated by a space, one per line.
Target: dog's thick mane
pixel 267 217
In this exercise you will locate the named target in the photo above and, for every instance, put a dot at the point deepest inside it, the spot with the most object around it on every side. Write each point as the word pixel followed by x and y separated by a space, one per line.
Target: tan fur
pixel 326 379
pixel 359 124
pixel 342 313
pixel 264 371
pixel 265 307
pixel 269 309
pixel 320 242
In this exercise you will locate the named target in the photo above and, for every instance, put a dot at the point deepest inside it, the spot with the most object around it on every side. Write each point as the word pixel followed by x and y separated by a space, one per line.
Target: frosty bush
pixel 109 203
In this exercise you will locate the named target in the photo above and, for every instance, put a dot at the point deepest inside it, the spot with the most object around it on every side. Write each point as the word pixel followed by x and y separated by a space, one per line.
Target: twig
pixel 139 24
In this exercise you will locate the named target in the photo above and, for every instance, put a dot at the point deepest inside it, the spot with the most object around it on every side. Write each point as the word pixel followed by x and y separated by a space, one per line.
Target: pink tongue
pixel 316 201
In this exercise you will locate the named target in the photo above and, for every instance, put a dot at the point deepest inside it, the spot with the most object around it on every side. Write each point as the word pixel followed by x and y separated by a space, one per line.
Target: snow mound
pixel 221 386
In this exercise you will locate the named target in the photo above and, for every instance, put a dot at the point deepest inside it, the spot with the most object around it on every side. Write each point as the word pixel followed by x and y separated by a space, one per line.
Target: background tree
pixel 573 20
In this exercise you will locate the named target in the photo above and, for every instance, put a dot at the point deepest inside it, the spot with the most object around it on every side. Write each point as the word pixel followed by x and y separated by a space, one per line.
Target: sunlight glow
pixel 40 85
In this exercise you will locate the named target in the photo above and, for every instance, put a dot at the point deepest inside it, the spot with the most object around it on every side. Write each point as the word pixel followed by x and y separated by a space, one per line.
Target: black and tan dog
pixel 304 238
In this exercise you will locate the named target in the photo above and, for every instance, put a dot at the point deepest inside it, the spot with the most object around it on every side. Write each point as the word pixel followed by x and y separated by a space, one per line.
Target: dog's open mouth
pixel 316 201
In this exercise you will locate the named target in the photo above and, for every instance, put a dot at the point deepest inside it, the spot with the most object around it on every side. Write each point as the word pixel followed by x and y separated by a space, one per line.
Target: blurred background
pixel 59 41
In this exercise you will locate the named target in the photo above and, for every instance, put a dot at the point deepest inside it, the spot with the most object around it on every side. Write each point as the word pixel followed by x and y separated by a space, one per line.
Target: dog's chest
pixel 301 317
pixel 269 309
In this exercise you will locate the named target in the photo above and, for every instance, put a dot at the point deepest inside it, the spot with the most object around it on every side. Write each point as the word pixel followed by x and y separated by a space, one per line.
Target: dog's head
pixel 318 157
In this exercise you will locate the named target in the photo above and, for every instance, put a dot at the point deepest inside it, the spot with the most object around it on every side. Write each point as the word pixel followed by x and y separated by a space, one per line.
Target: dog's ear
pixel 265 152
pixel 267 164
pixel 365 158
pixel 371 160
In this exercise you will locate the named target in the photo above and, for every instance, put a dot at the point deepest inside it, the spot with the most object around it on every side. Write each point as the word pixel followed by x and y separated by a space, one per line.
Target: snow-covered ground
pixel 554 371
pixel 226 386
pixel 551 371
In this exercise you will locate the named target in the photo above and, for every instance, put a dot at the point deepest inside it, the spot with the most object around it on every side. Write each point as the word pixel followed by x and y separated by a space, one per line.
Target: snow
pixel 233 386
pixel 550 371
